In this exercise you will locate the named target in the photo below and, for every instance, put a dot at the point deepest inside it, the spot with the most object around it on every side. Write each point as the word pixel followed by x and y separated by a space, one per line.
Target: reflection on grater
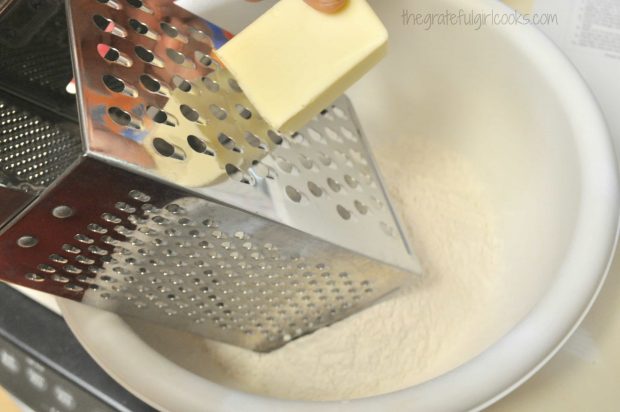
pixel 177 203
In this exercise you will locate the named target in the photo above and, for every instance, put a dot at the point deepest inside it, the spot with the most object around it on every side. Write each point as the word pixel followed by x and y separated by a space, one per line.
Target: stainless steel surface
pixel 185 207
pixel 34 152
pixel 4 4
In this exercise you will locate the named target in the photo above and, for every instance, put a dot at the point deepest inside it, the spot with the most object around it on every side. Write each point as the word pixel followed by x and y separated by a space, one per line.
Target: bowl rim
pixel 500 367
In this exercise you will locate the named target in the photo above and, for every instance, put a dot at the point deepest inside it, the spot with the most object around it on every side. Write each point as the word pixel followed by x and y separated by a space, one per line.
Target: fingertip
pixel 327 6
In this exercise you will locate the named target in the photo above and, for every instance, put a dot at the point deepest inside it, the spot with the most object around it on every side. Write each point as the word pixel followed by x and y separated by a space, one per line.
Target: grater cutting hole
pixel 110 218
pixel 148 56
pixel 111 3
pixel 362 208
pixel 72 269
pixel 122 118
pixel 190 114
pixel 377 202
pixel 286 166
pixel 93 227
pixel 96 250
pixel 234 173
pixel 218 112
pixel 203 59
pixel 275 137
pixel 112 55
pixel 234 86
pixel 172 32
pixel 333 185
pixel 46 268
pixel 34 277
pixel 325 159
pixel 58 259
pixel 116 85
pixel 315 189
pixel 306 162
pixel 243 111
pixel 368 177
pixel 139 196
pixel 211 84
pixel 125 207
pixel 228 143
pixel 358 157
pixel 83 260
pixel 153 85
pixel 348 134
pixel 138 26
pixel 161 117
pixel 74 288
pixel 343 158
pixel 254 141
pixel 340 113
pixel 316 136
pixel 108 26
pixel 299 138
pixel 139 4
pixel 60 279
pixel 179 58
pixel 168 150
pixel 200 36
pixel 71 249
pixel 326 113
pixel 27 241
pixel 293 194
pixel 333 135
pixel 181 84
pixel 175 209
pixel 351 181
pixel 169 29
pixel 387 229
pixel 143 29
pixel 62 212
pixel 199 145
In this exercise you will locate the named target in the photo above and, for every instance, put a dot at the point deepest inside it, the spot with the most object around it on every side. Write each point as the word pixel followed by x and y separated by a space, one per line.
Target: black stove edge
pixel 44 336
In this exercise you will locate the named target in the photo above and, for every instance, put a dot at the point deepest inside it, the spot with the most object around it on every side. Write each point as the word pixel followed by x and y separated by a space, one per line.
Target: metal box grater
pixel 165 196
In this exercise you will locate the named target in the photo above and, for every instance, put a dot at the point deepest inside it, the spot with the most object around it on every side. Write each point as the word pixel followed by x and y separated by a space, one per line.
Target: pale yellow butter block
pixel 294 61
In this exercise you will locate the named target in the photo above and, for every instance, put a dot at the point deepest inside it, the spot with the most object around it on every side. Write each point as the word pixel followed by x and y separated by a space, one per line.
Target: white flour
pixel 422 332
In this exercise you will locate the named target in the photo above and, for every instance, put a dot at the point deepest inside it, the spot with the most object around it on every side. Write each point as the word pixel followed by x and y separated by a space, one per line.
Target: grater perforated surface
pixel 35 59
pixel 33 151
pixel 162 254
pixel 186 208
pixel 156 97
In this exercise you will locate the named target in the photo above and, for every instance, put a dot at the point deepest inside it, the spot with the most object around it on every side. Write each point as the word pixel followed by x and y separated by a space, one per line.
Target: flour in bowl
pixel 439 322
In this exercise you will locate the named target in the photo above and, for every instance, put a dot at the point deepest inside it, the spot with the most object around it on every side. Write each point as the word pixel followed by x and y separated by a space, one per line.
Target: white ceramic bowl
pixel 506 99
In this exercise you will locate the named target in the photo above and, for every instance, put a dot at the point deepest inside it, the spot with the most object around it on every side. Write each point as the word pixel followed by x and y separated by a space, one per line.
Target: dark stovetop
pixel 44 366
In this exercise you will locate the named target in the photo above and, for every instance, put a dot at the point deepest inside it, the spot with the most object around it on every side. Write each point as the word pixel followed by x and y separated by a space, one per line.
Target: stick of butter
pixel 294 61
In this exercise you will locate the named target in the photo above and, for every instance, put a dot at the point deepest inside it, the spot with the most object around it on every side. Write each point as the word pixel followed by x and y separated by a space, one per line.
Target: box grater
pixel 163 195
